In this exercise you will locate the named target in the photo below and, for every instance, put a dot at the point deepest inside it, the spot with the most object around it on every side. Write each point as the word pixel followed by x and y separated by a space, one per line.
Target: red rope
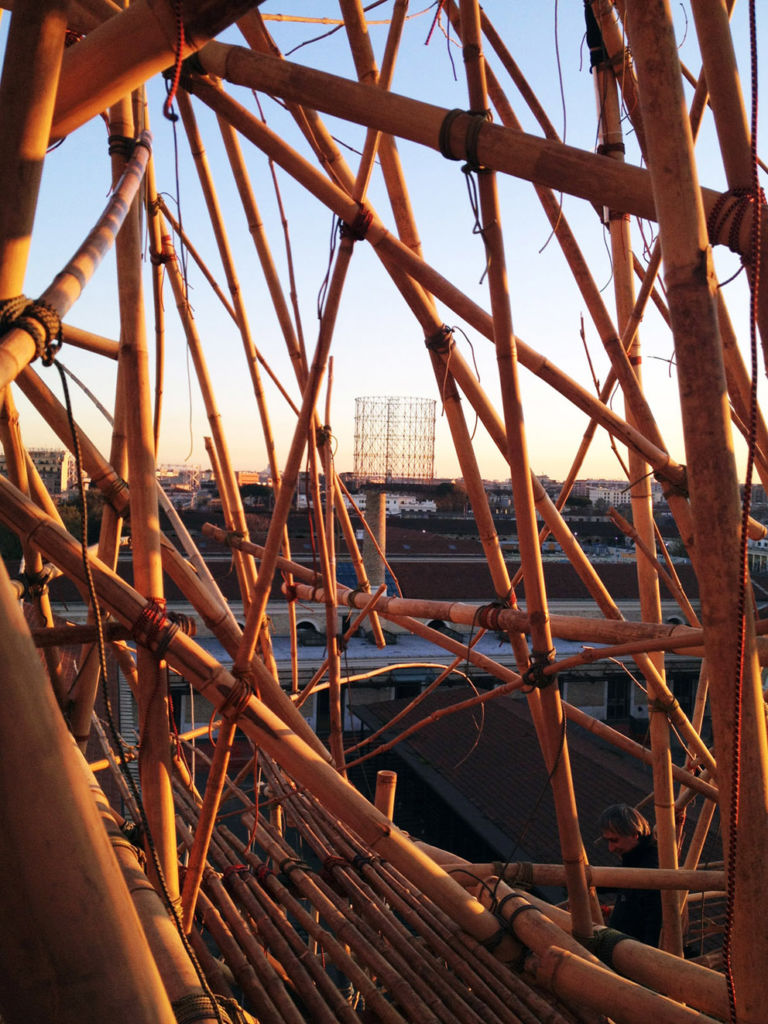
pixel 754 280
pixel 180 39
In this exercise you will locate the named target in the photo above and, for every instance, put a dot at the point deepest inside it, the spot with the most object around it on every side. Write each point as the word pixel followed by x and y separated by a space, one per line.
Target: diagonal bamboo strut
pixel 19 347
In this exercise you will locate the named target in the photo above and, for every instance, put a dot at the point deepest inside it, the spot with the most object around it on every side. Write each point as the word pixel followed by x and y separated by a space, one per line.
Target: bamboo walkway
pixel 284 895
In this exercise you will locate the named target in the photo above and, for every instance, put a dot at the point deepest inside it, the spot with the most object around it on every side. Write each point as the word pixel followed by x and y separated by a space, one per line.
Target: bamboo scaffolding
pixel 261 725
pixel 398 927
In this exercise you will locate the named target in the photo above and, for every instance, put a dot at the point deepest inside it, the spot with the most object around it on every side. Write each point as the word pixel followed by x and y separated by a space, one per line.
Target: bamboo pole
pixel 610 877
pixel 57 937
pixel 714 491
pixel 572 980
pixel 27 91
pixel 89 342
pixel 589 176
pixel 135 398
pixel 611 141
pixel 126 50
pixel 245 569
pixel 551 736
pixel 19 346
pixel 34 569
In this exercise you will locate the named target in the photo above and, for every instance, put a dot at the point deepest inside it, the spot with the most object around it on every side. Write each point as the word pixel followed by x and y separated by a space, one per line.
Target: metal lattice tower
pixel 395 439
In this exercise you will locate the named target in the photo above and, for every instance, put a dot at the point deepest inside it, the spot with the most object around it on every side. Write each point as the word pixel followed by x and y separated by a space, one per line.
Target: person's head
pixel 622 827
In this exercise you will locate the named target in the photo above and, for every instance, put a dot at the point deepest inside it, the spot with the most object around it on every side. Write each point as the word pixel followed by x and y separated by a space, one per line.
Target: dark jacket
pixel 638 911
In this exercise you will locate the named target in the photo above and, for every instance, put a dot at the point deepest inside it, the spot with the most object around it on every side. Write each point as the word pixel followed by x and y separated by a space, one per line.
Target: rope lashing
pixel 233 536
pixel 603 943
pixel 35 584
pixel 611 147
pixel 523 874
pixel 323 436
pixel 239 695
pixel 262 873
pixel 509 922
pixel 732 205
pixel 289 864
pixel 358 228
pixel 535 677
pixel 487 615
pixel 330 863
pixel 122 144
pixel 153 629
pixel 493 940
pixel 360 860
pixel 110 492
pixel 10 310
pixel 666 707
pixel 187 623
pixel 350 598
pixel 41 322
pixel 478 119
pixel 159 259
pixel 441 341
pixel 234 870
pixel 195 1007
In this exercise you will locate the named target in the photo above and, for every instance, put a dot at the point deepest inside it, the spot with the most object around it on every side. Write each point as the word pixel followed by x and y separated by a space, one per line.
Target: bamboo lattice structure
pixel 260 883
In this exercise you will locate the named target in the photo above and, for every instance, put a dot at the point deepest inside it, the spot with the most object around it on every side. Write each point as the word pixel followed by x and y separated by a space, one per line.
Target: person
pixel 637 912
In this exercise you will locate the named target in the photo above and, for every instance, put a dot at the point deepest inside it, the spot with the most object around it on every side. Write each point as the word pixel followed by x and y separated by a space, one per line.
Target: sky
pixel 378 346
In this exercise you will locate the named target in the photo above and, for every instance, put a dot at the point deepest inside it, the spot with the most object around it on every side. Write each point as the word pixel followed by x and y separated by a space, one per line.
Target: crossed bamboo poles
pixel 621 189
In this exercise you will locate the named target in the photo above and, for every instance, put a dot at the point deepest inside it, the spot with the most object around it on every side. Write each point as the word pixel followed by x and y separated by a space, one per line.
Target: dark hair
pixel 624 820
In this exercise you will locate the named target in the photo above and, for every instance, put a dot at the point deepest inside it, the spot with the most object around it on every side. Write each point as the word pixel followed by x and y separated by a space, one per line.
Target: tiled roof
pixel 491 759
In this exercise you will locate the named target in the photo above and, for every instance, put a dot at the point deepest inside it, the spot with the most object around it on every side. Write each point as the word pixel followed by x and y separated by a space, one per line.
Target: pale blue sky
pixel 378 346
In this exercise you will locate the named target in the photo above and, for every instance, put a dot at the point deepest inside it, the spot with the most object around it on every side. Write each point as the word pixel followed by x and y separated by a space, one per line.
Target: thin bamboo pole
pixel 713 484
pixel 136 403
pixel 57 935
pixel 34 569
pixel 611 141
pixel 245 569
pixel 89 342
pixel 552 737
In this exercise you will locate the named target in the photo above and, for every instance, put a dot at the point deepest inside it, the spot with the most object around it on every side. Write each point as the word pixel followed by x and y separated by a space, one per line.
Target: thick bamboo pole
pixel 172 958
pixel 126 50
pixel 58 936
pixel 610 877
pixel 27 92
pixel 20 346
pixel 714 492
pixel 590 176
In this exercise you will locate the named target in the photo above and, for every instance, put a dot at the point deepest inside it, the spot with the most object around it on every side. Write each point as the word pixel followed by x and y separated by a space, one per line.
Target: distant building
pixel 56 467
